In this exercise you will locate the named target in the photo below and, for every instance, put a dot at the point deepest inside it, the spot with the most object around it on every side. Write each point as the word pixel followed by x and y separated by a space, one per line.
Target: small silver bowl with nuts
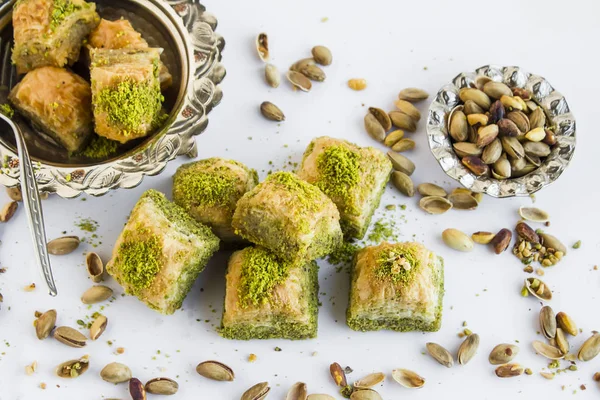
pixel 501 131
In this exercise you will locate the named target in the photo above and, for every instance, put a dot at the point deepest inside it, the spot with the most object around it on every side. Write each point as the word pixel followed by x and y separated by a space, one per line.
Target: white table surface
pixel 392 45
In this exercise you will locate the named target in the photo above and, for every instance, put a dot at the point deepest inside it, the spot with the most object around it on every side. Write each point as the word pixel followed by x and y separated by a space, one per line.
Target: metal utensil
pixel 31 198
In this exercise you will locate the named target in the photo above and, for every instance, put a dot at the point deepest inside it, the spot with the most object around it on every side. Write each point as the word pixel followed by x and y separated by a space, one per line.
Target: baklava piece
pixel 269 298
pixel 59 103
pixel 396 286
pixel 50 32
pixel 353 177
pixel 120 34
pixel 126 97
pixel 209 190
pixel 160 253
pixel 290 217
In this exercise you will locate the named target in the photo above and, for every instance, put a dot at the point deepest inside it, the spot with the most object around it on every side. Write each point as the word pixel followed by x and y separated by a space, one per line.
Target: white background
pixel 392 45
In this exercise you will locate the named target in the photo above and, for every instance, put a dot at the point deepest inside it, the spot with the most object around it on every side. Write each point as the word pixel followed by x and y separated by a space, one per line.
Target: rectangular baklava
pixel 160 252
pixel 59 103
pixel 50 32
pixel 353 177
pixel 266 297
pixel 210 189
pixel 396 286
pixel 290 217
pixel 126 97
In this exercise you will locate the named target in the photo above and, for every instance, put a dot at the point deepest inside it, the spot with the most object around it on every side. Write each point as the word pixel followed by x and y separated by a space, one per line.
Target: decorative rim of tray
pixel 555 106
pixel 204 54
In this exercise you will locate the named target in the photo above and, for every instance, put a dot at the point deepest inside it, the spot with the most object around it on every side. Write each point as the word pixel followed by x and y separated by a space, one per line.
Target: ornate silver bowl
pixel 555 107
pixel 193 54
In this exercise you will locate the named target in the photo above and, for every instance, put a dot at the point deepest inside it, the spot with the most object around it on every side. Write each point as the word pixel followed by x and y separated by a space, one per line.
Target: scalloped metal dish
pixel 553 103
pixel 203 72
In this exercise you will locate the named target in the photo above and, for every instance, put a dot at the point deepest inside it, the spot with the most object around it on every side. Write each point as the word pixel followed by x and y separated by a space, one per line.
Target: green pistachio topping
pixel 131 104
pixel 397 264
pixel 7 110
pixel 261 272
pixel 206 188
pixel 140 259
pixel 61 10
pixel 339 169
pixel 306 195
pixel 100 147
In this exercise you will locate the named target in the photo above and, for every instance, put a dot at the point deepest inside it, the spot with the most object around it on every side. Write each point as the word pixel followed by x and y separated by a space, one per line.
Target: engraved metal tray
pixel 192 52
pixel 555 107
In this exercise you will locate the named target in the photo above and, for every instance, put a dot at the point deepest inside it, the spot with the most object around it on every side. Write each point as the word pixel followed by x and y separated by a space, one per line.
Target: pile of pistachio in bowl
pixel 498 131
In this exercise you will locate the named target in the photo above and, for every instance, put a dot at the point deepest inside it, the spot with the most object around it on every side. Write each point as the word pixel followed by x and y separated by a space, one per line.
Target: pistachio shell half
pixel 408 378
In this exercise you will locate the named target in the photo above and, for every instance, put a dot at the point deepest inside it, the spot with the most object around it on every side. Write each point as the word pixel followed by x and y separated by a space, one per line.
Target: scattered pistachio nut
pixel 63 245
pixel 408 108
pixel 435 204
pixel 430 189
pixel 44 324
pixel 413 95
pixel 115 373
pixel 313 73
pixel 338 374
pixel 561 341
pixel 503 353
pixel 271 112
pixel 501 241
pixel 162 386
pixel 526 232
pixel 590 348
pixel 272 75
pixel 370 380
pixel 566 323
pixel 456 239
pixel 69 336
pixel 96 294
pixel 256 392
pixel 298 391
pixel 401 163
pixel 7 212
pixel 299 81
pixel 509 370
pixel 538 289
pixel 374 128
pixel 482 237
pixel 463 201
pixel 302 64
pixel 262 46
pixel 137 391
pixel 95 267
pixel 403 121
pixel 357 84
pixel 547 322
pixel 408 378
pixel 98 327
pixel 393 137
pixel 382 117
pixel 403 183
pixel 468 349
pixel 548 351
pixel 215 370
pixel 440 354
pixel 404 145
pixel 73 368
pixel 547 375
pixel 322 55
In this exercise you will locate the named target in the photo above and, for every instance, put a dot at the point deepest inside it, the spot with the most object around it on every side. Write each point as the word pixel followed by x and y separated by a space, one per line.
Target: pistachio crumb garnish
pixel 577 244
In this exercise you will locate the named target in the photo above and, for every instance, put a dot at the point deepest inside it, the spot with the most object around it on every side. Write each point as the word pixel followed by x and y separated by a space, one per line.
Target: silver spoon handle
pixel 33 209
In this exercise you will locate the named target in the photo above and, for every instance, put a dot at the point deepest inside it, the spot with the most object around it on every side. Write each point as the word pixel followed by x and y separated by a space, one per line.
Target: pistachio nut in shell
pixel 506 127
pixel 457 240
pixel 301 64
pixel 413 95
pixel 533 214
pixel 256 392
pixel 539 149
pixel 486 135
pixel 69 336
pixel 162 386
pixel 382 117
pixel 73 368
pixel 63 245
pixel 509 370
pixel 526 232
pixel 44 324
pixel 96 294
pixel 137 391
pixel 476 95
pixel 404 145
pixel 470 107
pixel 512 147
pixel 492 152
pixel 215 370
pixel 365 394
pixel 459 129
pixel 393 137
pixel 501 241
pixel 374 127
pixel 94 266
pixel 503 353
pixel 262 46
pixel 440 354
pixel 548 351
pixel 468 348
pixel 520 119
pixel 370 380
pixel 463 201
pixel 547 322
pixel 115 373
pixel 566 323
pixel 482 237
pixel 322 55
pixel 313 73
pixel 538 289
pixel 430 189
pixel 401 163
pixel 480 81
pixel 464 149
pixel 496 90
pixel 552 242
pixel 408 108
pixel 497 112
pixel 271 112
pixel 475 165
pixel 435 204
pixel 590 348
pixel 522 93
pixel 408 378
pixel 537 118
pixel 403 121
pixel 298 391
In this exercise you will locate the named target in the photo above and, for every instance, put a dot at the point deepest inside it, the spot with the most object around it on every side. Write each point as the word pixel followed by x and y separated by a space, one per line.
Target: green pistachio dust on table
pixel 261 272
